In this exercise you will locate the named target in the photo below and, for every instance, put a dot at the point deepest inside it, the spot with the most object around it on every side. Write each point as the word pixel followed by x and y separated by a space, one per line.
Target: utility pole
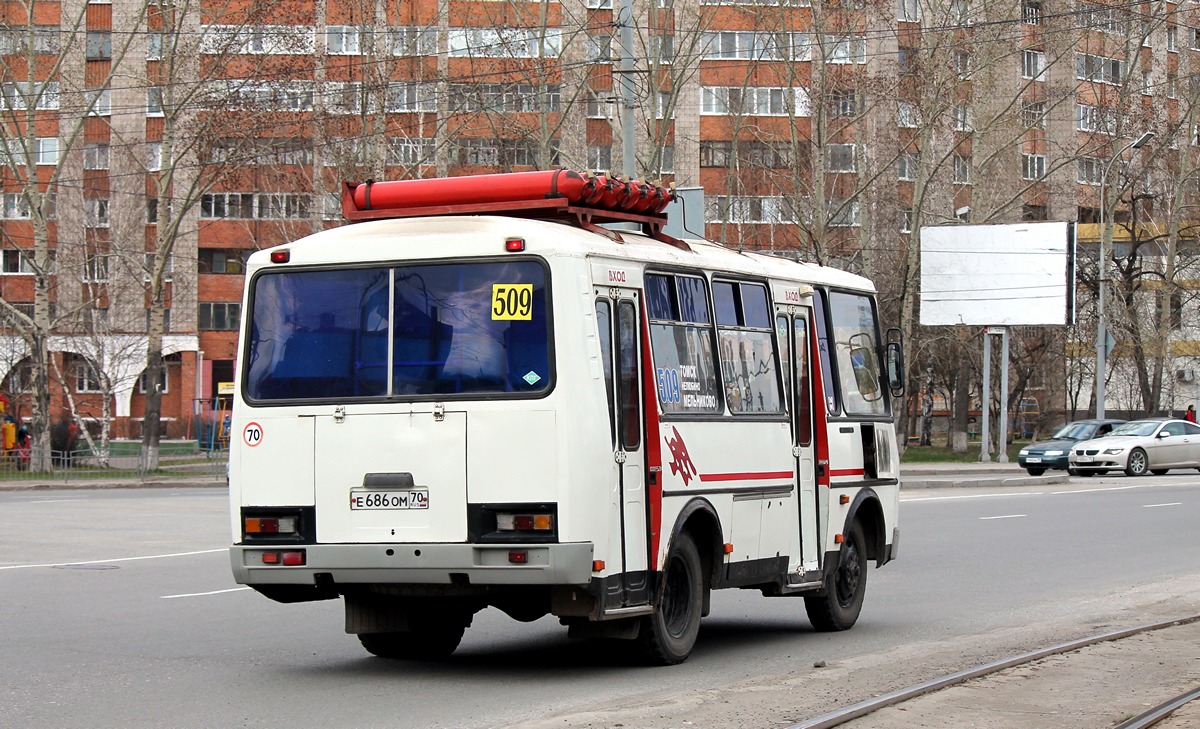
pixel 628 96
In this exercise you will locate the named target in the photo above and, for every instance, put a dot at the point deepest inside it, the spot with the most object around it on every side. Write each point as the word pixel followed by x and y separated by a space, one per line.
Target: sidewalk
pixel 988 475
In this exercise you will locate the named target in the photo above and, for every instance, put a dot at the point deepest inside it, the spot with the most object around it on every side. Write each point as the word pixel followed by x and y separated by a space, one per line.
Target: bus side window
pixel 827 381
pixel 604 325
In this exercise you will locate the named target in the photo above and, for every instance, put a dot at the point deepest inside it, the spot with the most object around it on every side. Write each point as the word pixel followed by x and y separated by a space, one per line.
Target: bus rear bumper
pixel 426 564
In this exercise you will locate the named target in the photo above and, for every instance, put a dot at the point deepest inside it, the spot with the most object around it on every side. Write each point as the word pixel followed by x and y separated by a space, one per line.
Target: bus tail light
pixel 506 522
pixel 295 558
pixel 270 525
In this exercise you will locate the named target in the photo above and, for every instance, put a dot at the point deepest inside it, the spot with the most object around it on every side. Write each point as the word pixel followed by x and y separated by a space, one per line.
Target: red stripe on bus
pixel 847 472
pixel 651 438
pixel 762 476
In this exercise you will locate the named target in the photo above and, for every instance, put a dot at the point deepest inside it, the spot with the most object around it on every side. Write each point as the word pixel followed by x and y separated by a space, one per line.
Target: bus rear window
pixel 448 329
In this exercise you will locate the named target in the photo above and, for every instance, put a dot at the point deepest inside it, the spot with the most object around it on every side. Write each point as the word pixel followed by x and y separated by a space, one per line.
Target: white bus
pixel 477 404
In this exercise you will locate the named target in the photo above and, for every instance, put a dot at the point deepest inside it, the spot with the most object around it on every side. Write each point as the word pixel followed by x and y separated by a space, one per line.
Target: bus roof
pixel 442 237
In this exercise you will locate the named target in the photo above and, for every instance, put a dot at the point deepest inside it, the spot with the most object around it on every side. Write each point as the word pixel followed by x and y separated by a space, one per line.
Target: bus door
pixel 795 344
pixel 618 320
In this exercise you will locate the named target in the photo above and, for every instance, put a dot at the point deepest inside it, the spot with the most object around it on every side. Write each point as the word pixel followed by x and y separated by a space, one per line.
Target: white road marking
pixel 1155 506
pixel 52 501
pixel 202 594
pixel 110 561
pixel 1109 488
pixel 1006 516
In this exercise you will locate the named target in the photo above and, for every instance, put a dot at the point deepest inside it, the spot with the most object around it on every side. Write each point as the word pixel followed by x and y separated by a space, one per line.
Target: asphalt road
pixel 117 610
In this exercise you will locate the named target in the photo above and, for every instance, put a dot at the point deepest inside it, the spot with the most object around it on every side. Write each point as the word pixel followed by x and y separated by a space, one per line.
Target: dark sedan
pixel 1037 458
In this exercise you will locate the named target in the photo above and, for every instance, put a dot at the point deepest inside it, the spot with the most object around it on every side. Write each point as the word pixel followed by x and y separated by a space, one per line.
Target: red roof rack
pixel 586 200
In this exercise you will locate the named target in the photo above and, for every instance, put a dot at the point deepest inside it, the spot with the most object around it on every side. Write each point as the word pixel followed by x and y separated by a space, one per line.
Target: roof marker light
pixel 514 245
pixel 281 256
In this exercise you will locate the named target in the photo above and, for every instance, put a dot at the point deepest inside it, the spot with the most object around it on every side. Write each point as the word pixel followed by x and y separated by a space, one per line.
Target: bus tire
pixel 667 636
pixel 430 643
pixel 838 605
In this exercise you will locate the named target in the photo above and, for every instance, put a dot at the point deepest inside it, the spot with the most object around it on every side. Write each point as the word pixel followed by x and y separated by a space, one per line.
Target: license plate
pixel 1033 460
pixel 1083 459
pixel 362 500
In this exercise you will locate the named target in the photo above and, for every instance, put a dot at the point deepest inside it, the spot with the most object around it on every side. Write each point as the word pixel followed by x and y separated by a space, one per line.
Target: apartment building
pixel 151 146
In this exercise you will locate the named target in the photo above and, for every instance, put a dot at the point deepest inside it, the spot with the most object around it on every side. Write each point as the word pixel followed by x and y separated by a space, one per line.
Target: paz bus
pixel 478 396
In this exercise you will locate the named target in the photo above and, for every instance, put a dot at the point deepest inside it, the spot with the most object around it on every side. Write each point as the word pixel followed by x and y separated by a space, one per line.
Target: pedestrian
pixel 1190 415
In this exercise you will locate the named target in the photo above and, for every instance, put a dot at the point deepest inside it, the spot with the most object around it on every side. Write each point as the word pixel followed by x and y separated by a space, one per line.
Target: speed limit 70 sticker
pixel 252 434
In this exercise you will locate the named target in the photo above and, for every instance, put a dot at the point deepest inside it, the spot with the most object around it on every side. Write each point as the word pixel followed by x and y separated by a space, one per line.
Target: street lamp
pixel 1102 272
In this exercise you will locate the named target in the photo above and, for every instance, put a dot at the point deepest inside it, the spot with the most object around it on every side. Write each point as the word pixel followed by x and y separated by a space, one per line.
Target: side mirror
pixel 894 363
pixel 1163 434
pixel 866 367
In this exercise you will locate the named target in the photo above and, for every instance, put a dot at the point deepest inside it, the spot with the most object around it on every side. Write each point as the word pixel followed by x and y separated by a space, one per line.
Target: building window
pixel 1175 315
pixel 599 48
pixel 98 45
pixel 15 206
pixel 219 316
pixel 600 4
pixel 845 49
pixel 599 157
pixel 1147 83
pixel 748 209
pixel 95 156
pixel 662 48
pixel 1033 114
pixel 753 101
pixel 1098 69
pixel 906 220
pixel 95 213
pixel 1034 212
pixel 504 42
pixel 150 261
pixel 749 45
pixel 225 260
pixel 87 378
pixel 842 104
pixel 908 11
pixel 260 206
pixel 907 115
pixel 1172 39
pixel 962 170
pixel 154 161
pixel 166 319
pixel 18 94
pixel 154 101
pixel 47 151
pixel 1031 12
pixel 598 107
pixel 95 268
pixel 342 40
pixel 413 41
pixel 839 158
pixel 1033 166
pixel 154 45
pixel 1033 65
pixel 1090 170
pixel 963 63
pixel 844 214
pixel 962 117
pixel 1095 119
pixel 14 261
pixel 162 380
pixel 99 102
pixel 906 166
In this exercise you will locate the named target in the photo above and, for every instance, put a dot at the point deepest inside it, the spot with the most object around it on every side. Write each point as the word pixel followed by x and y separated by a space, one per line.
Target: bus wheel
pixel 668 635
pixel 841 601
pixel 430 643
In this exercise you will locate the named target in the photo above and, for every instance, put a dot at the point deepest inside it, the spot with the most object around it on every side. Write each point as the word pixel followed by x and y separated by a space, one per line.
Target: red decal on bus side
pixel 651 443
pixel 848 472
pixel 761 476
pixel 819 409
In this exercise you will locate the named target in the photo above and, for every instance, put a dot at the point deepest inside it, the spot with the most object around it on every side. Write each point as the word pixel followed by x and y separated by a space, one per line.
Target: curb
pixel 997 482
pixel 99 485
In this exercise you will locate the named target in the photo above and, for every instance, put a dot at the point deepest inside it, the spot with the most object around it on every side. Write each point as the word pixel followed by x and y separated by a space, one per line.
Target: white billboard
pixel 1002 275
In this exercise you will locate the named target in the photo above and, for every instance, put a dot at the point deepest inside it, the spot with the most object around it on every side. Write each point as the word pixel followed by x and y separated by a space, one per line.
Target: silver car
pixel 1139 446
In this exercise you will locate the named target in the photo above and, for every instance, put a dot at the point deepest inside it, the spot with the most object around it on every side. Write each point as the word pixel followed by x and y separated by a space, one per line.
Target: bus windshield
pixel 436 329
